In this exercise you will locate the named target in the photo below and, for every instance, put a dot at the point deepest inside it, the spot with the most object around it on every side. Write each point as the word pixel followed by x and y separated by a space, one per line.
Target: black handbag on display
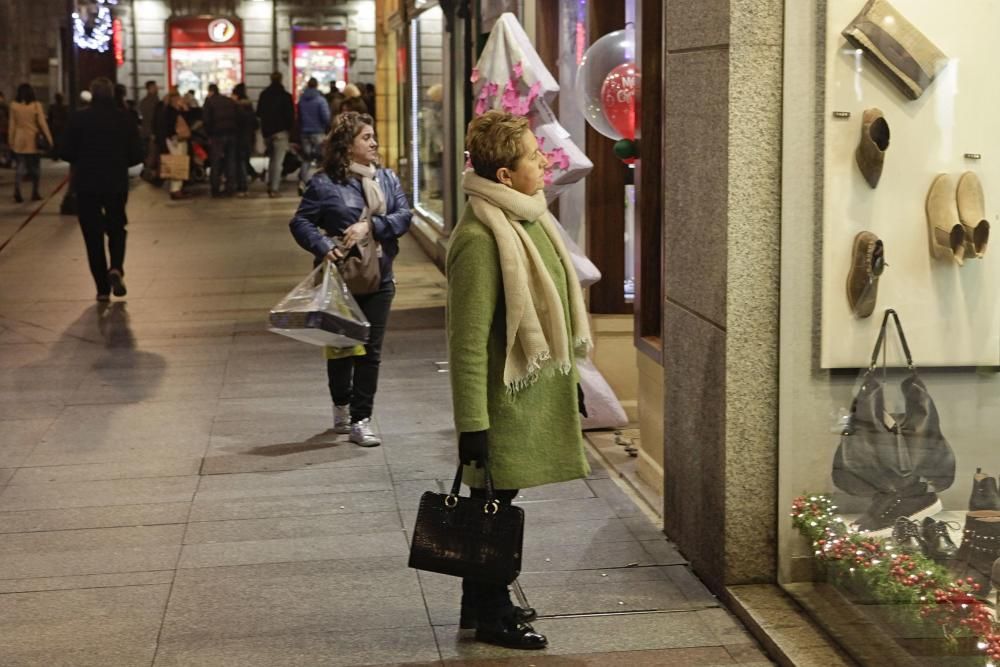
pixel 882 452
pixel 474 538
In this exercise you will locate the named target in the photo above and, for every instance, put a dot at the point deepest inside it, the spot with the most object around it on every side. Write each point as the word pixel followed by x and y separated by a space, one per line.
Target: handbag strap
pixel 881 338
pixel 492 505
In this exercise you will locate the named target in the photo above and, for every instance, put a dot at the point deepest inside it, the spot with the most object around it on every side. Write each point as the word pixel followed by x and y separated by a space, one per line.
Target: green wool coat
pixel 534 435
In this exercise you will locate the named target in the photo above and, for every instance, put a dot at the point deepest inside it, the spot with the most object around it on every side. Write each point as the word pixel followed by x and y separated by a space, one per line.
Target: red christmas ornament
pixel 618 97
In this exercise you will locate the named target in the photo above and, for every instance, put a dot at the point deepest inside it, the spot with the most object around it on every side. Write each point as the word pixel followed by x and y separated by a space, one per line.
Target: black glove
pixel 581 400
pixel 472 447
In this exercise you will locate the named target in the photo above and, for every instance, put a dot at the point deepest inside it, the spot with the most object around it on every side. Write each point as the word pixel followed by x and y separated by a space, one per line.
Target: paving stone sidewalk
pixel 171 493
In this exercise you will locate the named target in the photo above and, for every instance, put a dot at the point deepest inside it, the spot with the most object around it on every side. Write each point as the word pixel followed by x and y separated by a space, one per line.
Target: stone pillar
pixel 722 158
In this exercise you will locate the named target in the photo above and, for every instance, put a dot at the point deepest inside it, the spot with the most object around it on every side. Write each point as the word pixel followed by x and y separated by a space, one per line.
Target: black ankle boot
pixel 17 196
pixel 938 545
pixel 979 550
pixel 469 618
pixel 509 633
pixel 984 496
pixel 906 535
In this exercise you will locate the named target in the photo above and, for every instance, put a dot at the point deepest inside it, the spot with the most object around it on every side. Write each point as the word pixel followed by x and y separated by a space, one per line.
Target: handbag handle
pixel 492 505
pixel 881 338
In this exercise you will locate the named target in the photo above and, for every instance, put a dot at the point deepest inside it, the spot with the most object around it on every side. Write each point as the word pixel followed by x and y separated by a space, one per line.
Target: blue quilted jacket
pixel 328 209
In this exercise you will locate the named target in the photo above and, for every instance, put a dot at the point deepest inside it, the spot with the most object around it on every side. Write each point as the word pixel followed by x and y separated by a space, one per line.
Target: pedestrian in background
pixel 516 323
pixel 334 98
pixel 101 143
pixel 352 100
pixel 277 117
pixel 220 117
pixel 5 157
pixel 29 137
pixel 369 97
pixel 246 135
pixel 173 136
pixel 352 198
pixel 58 121
pixel 314 122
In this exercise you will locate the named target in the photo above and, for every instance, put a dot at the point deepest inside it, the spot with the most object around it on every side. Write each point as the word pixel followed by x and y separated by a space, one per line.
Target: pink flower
pixel 481 106
pixel 490 89
pixel 541 142
pixel 510 101
pixel 518 70
pixel 533 91
pixel 475 75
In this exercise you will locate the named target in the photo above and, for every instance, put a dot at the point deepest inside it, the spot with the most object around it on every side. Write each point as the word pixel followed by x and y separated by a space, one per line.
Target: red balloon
pixel 618 97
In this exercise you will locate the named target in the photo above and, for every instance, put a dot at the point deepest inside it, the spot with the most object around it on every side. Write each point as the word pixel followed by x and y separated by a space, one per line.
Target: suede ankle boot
pixel 972 213
pixel 870 153
pixel 947 236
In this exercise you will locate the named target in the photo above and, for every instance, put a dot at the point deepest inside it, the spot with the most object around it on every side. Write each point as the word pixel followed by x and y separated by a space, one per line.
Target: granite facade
pixel 722 152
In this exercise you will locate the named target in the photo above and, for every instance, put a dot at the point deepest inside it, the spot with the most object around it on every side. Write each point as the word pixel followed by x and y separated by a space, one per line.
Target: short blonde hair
pixel 494 141
pixel 350 90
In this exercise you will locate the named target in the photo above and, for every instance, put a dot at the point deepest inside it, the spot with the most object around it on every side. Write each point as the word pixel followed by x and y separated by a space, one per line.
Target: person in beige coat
pixel 27 122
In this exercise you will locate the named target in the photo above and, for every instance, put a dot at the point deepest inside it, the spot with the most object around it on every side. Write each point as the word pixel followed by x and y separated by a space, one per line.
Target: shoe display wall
pixel 894 167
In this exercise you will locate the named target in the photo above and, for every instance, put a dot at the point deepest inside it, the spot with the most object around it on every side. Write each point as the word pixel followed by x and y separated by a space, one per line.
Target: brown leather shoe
pixel 947 236
pixel 972 213
pixel 867 264
pixel 870 153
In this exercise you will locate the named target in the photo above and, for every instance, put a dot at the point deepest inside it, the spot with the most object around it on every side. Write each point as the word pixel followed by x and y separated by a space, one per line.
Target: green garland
pixel 891 577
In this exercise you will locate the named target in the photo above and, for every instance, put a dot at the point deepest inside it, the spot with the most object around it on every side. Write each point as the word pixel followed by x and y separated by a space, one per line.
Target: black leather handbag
pixel 883 452
pixel 474 538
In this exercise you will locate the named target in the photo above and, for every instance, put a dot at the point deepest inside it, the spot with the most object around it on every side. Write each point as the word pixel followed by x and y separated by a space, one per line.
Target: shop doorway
pixel 203 51
pixel 319 53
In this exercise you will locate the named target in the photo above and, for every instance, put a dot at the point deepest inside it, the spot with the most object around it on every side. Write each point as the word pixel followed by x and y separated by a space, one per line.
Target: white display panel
pixel 949 311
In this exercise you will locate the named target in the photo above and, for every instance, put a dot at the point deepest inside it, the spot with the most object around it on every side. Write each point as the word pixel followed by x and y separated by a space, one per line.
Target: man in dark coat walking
pixel 220 118
pixel 277 117
pixel 101 143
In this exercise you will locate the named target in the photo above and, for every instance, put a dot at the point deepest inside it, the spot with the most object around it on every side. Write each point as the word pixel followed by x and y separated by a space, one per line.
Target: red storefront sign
pixel 118 42
pixel 205 32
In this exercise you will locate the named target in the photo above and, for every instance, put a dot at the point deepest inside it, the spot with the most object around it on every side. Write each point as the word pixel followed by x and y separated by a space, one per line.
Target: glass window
pixel 427 118
pixel 890 332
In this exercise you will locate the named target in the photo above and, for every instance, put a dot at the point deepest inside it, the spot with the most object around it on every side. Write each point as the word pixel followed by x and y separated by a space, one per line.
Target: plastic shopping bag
pixel 321 311
pixel 603 407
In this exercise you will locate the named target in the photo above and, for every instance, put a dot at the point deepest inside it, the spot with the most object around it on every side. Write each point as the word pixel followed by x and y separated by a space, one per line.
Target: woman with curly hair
pixel 350 198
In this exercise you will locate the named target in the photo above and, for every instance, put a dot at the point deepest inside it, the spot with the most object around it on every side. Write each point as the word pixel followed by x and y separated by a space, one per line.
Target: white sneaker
pixel 361 434
pixel 341 419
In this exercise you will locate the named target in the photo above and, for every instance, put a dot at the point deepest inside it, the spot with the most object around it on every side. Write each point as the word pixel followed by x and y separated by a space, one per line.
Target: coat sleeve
pixel 473 271
pixel 305 223
pixel 43 124
pixel 135 147
pixel 69 146
pixel 394 224
pixel 324 112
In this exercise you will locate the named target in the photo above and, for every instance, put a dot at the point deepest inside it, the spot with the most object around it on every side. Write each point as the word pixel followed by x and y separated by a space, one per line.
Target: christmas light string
pixel 897 578
pixel 99 37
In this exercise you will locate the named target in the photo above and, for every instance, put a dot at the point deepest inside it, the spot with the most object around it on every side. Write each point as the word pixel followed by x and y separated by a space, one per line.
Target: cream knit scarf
pixel 537 332
pixel 374 196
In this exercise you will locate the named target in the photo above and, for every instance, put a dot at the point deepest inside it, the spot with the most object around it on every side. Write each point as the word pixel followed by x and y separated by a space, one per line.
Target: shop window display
pixel 427 118
pixel 891 470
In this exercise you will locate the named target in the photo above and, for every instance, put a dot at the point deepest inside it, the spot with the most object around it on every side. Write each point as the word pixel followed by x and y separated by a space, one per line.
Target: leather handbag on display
pixel 883 452
pixel 360 265
pixel 473 538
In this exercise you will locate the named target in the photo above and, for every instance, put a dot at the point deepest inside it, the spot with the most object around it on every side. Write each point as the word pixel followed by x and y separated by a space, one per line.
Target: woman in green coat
pixel 516 324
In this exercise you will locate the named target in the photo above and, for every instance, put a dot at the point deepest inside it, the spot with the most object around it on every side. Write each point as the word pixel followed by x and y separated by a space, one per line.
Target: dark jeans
pixel 103 215
pixel 354 380
pixel 222 155
pixel 28 164
pixel 491 601
pixel 243 167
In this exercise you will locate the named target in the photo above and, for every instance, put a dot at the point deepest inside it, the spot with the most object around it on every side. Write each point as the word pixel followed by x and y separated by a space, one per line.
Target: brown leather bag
pixel 182 129
pixel 360 266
